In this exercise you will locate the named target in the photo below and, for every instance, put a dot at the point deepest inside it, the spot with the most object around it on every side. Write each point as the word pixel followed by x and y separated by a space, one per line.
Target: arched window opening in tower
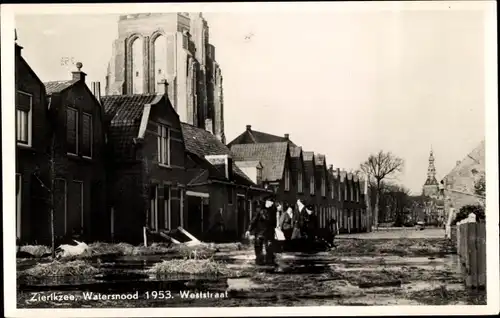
pixel 160 59
pixel 137 62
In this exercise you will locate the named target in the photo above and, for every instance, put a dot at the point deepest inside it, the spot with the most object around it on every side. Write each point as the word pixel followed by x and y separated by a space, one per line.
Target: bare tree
pixel 379 167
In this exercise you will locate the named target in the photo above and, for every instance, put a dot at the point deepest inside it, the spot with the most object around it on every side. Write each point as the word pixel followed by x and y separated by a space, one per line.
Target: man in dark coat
pixel 263 226
pixel 309 224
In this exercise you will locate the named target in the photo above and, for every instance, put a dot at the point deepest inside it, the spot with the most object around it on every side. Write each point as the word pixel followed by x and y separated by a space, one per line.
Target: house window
pixel 345 191
pixel 87 135
pixel 153 197
pixel 23 118
pixel 72 130
pixel 287 180
pixel 357 196
pixel 299 182
pixel 259 175
pixel 352 193
pixel 19 188
pixel 167 202
pixel 312 186
pixel 332 190
pixel 340 197
pixel 323 186
pixel 230 194
pixel 163 145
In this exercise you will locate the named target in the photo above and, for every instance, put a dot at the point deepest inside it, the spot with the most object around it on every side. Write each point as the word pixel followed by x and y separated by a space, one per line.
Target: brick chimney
pixel 249 127
pixel 78 75
pixel 162 87
pixel 95 87
pixel 287 136
pixel 330 168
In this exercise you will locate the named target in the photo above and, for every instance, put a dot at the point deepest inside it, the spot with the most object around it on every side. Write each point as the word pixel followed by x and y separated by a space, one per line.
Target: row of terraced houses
pixel 109 166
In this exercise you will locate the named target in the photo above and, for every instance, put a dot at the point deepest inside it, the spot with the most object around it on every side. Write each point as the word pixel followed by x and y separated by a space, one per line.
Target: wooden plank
pixel 471 278
pixel 481 254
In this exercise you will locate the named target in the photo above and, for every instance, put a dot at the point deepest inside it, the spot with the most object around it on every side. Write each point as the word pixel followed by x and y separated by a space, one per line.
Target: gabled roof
pixel 126 112
pixel 295 151
pixel 271 155
pixel 251 136
pixel 249 163
pixel 127 108
pixel 58 86
pixel 319 159
pixel 202 143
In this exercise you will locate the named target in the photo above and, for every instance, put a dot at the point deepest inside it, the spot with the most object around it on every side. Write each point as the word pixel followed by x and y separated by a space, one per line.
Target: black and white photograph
pixel 250 158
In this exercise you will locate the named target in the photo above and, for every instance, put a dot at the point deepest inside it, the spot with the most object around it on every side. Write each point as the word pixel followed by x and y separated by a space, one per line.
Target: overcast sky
pixel 345 84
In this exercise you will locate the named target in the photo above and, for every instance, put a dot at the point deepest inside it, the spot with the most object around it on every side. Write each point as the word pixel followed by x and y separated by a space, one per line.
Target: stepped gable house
pixel 147 166
pixel 32 144
pixel 217 190
pixel 276 166
pixel 175 47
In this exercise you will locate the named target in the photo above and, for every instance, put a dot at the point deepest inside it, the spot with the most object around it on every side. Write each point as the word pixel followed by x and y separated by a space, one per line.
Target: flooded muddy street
pixel 358 272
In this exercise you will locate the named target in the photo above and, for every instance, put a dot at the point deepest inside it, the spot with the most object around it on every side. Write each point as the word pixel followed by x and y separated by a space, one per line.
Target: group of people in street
pixel 297 221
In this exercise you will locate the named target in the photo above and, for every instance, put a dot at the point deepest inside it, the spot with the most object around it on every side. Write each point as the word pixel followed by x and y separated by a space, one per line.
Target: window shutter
pixel 71 129
pixel 23 102
pixel 87 135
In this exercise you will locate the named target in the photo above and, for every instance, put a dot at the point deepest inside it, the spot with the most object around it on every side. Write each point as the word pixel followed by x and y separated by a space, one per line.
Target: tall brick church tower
pixel 431 187
pixel 172 46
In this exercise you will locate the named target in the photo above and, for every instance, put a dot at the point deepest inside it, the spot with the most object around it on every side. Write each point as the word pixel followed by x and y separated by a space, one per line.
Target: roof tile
pixel 271 155
pixel 57 86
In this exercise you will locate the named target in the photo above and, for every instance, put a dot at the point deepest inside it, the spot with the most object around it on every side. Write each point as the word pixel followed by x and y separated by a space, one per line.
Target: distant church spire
pixel 431 171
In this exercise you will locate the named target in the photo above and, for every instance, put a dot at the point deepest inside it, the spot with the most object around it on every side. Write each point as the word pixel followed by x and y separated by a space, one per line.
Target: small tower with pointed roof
pixel 431 186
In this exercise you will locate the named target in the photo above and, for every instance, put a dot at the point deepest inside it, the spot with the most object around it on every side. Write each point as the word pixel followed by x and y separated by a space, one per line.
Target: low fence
pixel 471 250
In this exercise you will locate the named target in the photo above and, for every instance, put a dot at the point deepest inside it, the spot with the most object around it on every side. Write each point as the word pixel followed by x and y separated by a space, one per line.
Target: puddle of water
pixel 242 284
pixel 429 285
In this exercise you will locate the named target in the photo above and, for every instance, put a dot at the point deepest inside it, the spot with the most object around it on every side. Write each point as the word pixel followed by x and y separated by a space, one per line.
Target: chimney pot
pixel 163 87
pixel 78 75
pixel 96 90
pixel 287 136
pixel 249 127
pixel 331 167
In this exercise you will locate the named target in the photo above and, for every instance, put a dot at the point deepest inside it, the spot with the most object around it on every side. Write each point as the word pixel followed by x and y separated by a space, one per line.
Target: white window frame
pixel 91 131
pixel 77 120
pixel 153 206
pixel 312 185
pixel 19 201
pixel 300 179
pixel 29 124
pixel 323 186
pixel 164 143
pixel 167 206
pixel 287 179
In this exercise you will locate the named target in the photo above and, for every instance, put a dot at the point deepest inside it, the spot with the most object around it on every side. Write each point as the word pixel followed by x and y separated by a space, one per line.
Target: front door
pixel 195 219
